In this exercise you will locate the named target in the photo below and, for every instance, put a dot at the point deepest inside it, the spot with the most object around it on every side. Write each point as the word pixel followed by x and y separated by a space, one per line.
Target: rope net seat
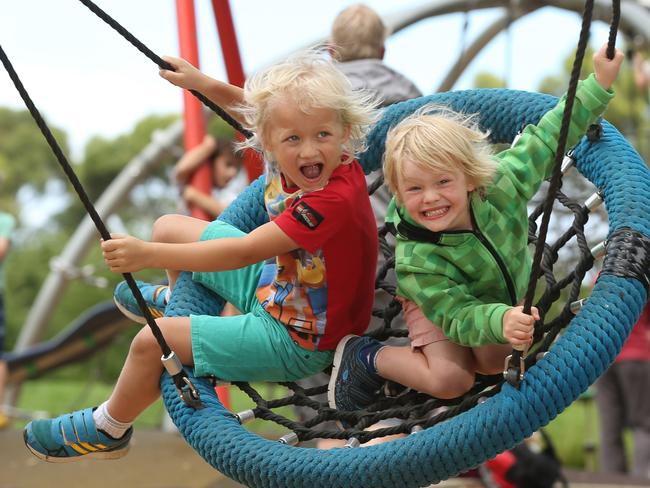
pixel 496 415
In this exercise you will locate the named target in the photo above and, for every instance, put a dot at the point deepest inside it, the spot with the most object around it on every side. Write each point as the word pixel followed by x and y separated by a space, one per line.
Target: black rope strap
pixel 180 377
pixel 628 255
pixel 163 64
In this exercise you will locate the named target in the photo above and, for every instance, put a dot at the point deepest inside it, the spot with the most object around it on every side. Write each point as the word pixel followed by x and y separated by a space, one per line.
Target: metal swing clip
pixel 190 395
pixel 186 390
pixel 513 373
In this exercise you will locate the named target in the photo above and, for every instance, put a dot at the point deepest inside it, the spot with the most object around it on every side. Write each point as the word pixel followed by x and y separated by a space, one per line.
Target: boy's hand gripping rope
pixel 172 364
pixel 515 363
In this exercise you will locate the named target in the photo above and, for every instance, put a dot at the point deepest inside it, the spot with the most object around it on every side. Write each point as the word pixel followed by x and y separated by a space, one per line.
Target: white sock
pixel 106 423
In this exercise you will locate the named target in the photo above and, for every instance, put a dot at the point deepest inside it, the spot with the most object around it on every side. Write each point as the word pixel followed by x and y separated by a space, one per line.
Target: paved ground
pixel 163 460
pixel 156 460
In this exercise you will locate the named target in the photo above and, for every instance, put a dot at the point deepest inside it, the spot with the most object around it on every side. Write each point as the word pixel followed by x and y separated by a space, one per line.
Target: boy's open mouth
pixel 311 171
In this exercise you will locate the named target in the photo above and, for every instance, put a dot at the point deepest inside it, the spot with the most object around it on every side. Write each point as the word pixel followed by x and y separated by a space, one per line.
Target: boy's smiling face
pixel 306 147
pixel 438 201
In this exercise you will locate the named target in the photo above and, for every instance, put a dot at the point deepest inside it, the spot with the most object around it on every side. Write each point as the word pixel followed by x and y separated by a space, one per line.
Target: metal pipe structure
pixel 86 234
pixel 235 71
pixel 468 55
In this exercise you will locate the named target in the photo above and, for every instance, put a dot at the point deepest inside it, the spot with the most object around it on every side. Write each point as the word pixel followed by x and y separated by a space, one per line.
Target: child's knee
pixel 456 382
pixel 144 343
pixel 163 228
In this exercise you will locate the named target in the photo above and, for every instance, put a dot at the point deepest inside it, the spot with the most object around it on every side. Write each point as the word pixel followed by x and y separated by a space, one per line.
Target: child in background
pixel 302 281
pixel 462 259
pixel 228 180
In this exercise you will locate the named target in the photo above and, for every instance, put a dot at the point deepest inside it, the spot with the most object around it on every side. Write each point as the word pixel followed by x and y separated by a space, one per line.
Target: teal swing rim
pixel 590 343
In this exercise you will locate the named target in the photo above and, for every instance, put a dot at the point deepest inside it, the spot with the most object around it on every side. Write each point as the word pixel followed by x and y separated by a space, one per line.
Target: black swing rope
pixel 181 380
pixel 515 369
pixel 415 409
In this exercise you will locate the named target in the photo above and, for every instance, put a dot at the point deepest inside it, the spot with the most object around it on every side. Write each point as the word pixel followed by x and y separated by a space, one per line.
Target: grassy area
pixel 575 434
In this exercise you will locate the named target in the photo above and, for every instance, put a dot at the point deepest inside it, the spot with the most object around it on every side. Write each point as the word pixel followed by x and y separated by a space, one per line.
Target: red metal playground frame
pixel 192 107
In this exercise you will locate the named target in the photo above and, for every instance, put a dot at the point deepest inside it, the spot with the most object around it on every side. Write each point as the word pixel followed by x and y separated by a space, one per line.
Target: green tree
pixel 25 157
pixel 105 158
pixel 488 80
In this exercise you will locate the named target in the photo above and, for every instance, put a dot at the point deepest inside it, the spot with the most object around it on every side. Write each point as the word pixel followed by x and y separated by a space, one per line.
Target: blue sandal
pixel 71 437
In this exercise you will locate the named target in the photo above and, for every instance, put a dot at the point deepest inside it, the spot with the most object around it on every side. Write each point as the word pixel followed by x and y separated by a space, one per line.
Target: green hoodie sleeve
pixel 463 318
pixel 530 161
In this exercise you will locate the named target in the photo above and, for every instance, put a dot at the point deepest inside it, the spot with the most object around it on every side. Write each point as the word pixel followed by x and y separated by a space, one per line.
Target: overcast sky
pixel 89 81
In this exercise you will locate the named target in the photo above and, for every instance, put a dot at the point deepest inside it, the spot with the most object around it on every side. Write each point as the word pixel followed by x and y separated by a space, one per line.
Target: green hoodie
pixel 465 281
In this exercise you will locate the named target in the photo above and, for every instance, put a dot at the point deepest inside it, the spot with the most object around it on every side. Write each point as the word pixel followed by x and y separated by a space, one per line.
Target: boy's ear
pixel 471 186
pixel 347 130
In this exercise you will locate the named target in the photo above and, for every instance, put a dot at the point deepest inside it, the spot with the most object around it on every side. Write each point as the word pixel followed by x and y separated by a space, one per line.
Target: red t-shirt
pixel 324 290
pixel 637 345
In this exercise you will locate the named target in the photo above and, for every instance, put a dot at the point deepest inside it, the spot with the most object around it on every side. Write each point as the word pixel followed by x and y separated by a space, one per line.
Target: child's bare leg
pixel 490 359
pixel 441 369
pixel 177 229
pixel 138 384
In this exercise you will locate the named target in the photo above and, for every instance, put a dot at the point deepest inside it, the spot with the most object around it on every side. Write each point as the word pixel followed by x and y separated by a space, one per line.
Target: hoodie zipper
pixel 422 234
pixel 502 266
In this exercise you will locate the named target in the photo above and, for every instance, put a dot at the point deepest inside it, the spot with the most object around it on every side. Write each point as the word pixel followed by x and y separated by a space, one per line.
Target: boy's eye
pixel 323 133
pixel 291 139
pixel 444 181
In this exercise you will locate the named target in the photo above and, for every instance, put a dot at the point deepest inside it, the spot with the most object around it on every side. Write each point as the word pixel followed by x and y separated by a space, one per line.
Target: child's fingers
pixel 535 313
pixel 521 335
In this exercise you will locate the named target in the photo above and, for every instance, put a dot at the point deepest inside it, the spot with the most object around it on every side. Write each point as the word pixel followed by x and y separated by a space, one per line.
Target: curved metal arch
pixel 635 21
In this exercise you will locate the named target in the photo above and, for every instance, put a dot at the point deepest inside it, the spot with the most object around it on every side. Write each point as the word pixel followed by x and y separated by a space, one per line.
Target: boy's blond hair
pixel 435 138
pixel 311 81
pixel 358 33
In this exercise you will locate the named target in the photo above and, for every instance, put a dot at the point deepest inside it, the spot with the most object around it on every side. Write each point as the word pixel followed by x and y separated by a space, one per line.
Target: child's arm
pixel 126 254
pixel 187 76
pixel 206 202
pixel 193 158
pixel 530 160
pixel 605 69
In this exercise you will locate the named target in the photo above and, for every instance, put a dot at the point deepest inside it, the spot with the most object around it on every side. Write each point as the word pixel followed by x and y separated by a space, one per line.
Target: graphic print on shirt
pixel 293 287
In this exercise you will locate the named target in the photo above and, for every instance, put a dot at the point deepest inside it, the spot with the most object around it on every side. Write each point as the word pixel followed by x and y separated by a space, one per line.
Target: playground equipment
pixel 446 448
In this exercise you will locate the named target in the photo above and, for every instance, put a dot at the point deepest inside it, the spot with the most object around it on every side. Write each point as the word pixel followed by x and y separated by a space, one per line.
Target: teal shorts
pixel 252 346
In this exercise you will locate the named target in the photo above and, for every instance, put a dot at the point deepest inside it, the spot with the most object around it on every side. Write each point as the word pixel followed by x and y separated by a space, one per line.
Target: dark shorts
pixel 623 391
